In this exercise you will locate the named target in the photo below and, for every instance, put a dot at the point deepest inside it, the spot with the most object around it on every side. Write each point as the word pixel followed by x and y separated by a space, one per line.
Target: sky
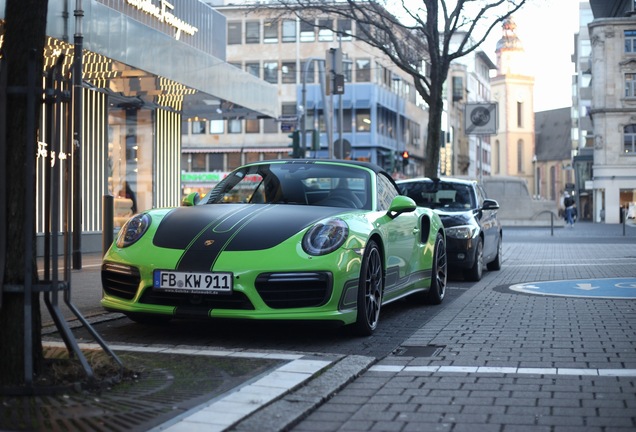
pixel 546 30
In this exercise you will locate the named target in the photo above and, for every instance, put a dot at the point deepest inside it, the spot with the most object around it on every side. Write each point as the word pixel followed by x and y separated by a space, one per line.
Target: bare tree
pixel 24 37
pixel 422 38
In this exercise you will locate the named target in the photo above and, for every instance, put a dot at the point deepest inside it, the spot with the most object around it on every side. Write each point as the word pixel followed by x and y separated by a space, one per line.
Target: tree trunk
pixel 24 34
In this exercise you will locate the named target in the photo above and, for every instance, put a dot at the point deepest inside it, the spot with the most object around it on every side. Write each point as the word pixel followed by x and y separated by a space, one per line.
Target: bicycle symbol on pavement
pixel 615 288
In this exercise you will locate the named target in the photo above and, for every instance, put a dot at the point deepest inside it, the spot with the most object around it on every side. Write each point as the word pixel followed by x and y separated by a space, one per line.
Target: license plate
pixel 192 283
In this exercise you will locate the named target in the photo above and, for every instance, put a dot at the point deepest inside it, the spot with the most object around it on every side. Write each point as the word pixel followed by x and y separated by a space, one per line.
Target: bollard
pixel 108 217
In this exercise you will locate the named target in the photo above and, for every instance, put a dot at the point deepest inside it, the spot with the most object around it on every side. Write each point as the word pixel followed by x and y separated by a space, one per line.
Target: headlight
pixel 325 237
pixel 461 232
pixel 133 230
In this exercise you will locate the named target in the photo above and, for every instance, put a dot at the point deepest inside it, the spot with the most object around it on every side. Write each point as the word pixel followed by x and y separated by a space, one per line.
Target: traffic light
pixel 297 150
pixel 405 158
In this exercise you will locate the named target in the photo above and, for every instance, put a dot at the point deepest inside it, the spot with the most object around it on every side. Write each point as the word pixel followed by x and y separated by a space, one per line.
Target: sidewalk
pixel 494 359
pixel 506 361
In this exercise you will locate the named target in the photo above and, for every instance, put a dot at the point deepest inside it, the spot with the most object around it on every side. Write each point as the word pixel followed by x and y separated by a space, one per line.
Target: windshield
pixel 289 183
pixel 440 195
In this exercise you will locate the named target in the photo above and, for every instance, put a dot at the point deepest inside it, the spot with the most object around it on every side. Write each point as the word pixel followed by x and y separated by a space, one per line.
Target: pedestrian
pixel 568 203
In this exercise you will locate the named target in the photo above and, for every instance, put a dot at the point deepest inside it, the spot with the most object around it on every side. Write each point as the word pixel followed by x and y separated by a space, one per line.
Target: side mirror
pixel 191 199
pixel 490 204
pixel 401 204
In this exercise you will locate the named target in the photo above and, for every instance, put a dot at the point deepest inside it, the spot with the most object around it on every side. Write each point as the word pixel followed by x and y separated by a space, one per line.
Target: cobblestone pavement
pixel 508 361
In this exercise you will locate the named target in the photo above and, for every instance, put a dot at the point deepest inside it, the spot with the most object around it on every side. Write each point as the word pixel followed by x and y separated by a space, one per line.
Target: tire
pixel 370 290
pixel 475 272
pixel 496 263
pixel 439 273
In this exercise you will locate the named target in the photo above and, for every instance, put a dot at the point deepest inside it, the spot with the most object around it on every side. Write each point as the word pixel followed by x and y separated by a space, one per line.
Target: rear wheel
pixel 370 288
pixel 439 274
pixel 475 272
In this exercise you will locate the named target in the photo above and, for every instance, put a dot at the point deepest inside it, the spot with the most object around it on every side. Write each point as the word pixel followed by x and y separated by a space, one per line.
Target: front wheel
pixel 439 273
pixel 370 288
pixel 475 272
pixel 496 263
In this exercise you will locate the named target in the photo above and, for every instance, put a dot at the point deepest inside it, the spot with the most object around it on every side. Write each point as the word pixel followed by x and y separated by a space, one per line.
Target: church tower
pixel 513 147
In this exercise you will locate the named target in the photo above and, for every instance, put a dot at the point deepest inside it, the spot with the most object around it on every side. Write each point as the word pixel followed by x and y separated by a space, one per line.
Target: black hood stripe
pixel 203 232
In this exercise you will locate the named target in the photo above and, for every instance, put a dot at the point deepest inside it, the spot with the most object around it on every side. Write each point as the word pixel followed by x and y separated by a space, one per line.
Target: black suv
pixel 473 232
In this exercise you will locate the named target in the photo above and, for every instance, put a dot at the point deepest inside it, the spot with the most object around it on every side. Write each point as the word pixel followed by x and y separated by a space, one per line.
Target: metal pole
pixel 77 135
pixel 108 212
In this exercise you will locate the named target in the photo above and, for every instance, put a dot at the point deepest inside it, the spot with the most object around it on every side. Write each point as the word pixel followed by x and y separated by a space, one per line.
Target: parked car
pixel 473 231
pixel 315 240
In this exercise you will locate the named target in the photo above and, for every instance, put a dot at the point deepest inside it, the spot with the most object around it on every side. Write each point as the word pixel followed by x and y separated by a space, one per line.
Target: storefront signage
pixel 44 153
pixel 163 13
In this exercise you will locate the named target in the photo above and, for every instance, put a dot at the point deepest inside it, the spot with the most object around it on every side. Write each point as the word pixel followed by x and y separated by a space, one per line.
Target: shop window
pixel 325 30
pixel 307 32
pixel 363 120
pixel 270 32
pixel 629 139
pixel 630 85
pixel 289 31
pixel 630 41
pixel 270 71
pixel 363 70
pixel 217 126
pixel 234 126
pixel 344 29
pixel 198 127
pixel 288 72
pixel 252 126
pixel 234 32
pixel 252 32
pixel 130 161
pixel 253 68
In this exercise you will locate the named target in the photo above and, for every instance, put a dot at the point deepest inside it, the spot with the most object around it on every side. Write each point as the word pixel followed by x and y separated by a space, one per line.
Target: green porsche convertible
pixel 312 240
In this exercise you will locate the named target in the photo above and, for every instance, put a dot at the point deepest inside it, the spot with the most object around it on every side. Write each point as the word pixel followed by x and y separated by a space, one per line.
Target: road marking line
pixel 504 370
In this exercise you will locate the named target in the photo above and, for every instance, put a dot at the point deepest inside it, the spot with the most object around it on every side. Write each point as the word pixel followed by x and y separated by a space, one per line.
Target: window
pixel 363 120
pixel 288 109
pixel 629 139
pixel 198 127
pixel 386 192
pixel 270 70
pixel 234 126
pixel 270 125
pixel 325 30
pixel 270 32
pixel 307 32
pixel 252 32
pixel 363 70
pixel 519 114
pixel 630 85
pixel 288 72
pixel 217 126
pixel 347 70
pixel 630 41
pixel 253 68
pixel 344 29
pixel 235 64
pixel 310 76
pixel 234 32
pixel 520 156
pixel 362 30
pixel 458 88
pixel 215 161
pixel 289 31
pixel 252 126
pixel 198 162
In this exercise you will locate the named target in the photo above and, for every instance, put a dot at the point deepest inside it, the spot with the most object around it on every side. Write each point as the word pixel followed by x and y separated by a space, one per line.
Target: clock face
pixel 480 116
